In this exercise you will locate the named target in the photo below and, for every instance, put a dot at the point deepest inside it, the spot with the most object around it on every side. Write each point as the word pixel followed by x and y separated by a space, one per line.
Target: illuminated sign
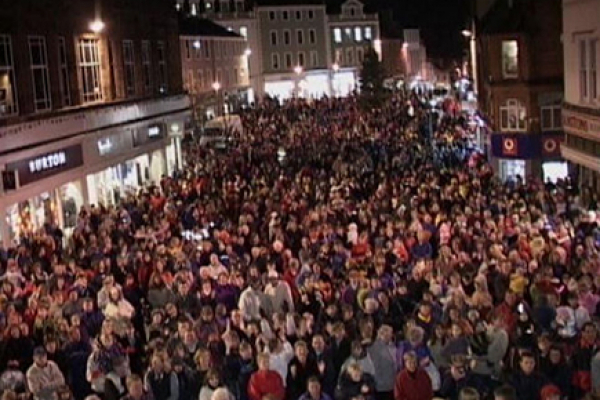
pixel 154 131
pixel 48 161
pixel 104 146
pixel 42 166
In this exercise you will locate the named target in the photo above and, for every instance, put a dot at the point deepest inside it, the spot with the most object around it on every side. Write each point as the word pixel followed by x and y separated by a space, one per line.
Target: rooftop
pixel 195 26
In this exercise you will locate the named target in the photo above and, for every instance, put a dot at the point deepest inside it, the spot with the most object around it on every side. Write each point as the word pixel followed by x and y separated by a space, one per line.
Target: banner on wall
pixel 526 146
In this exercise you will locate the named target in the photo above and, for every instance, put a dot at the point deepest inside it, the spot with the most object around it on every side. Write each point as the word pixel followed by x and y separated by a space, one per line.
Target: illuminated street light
pixel 405 45
pixel 336 67
pixel 467 33
pixel 97 26
pixel 298 69
pixel 216 86
pixel 247 52
pixel 197 44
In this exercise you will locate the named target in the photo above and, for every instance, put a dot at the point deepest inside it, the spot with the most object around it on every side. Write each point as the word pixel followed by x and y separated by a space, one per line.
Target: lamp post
pixel 335 68
pixel 298 70
pixel 216 87
pixel 470 35
pixel 97 25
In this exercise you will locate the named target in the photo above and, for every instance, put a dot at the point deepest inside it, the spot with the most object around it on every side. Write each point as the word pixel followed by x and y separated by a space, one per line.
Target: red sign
pixel 551 146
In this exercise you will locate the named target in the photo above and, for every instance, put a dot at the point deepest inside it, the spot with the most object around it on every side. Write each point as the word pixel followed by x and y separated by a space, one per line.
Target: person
pixel 300 368
pixel 135 388
pixel 160 382
pixel 354 383
pixel 383 354
pixel 412 383
pixel 44 377
pixel 265 381
pixel 505 392
pixel 458 378
pixel 211 384
pixel 115 386
pixel 314 390
pixel 469 393
pixel 528 383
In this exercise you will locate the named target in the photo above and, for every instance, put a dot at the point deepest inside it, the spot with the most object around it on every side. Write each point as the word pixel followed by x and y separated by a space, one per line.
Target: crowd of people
pixel 327 253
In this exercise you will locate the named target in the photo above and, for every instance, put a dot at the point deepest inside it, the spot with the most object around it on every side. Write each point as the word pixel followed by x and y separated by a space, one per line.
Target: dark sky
pixel 440 21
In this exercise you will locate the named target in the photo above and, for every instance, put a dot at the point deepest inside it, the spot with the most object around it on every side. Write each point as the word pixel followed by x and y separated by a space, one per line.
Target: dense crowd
pixel 327 253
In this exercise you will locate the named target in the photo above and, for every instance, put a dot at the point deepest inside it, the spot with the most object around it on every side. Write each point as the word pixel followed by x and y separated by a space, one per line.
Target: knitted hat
pixel 549 391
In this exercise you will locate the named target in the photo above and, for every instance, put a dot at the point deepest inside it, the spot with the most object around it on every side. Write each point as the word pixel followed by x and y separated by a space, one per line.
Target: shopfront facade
pixel 53 181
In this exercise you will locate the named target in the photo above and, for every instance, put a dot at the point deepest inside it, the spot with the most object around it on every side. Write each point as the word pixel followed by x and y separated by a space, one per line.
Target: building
pixel 293 44
pixel 520 86
pixel 215 67
pixel 91 107
pixel 581 109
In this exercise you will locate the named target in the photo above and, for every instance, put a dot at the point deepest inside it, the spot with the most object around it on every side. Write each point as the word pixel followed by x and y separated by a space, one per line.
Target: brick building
pixel 91 106
pixel 521 85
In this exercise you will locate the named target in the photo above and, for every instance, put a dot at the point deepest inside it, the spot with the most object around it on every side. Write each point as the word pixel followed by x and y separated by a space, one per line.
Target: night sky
pixel 440 21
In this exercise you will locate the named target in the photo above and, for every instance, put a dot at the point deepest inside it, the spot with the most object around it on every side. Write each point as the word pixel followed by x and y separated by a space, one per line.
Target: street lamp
pixel 247 52
pixel 216 87
pixel 298 70
pixel 336 67
pixel 467 33
pixel 97 26
pixel 197 44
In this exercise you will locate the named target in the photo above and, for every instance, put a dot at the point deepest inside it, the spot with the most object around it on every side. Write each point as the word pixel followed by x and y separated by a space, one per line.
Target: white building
pixel 581 110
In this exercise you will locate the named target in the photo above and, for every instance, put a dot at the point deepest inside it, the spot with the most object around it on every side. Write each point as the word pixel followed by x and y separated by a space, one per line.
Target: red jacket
pixel 266 382
pixel 413 386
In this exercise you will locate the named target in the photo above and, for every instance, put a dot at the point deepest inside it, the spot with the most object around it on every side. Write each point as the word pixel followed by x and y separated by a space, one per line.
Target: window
pixel 368 33
pixel 337 35
pixel 583 73
pixel 39 71
pixel 272 15
pixel 352 11
pixel 314 59
pixel 162 66
pixel 235 76
pixel 193 9
pixel 513 116
pixel 311 14
pixel 275 61
pixel 205 44
pixel 339 57
pixel 358 34
pixel 63 73
pixel 285 15
pixel 359 54
pixel 200 79
pixel 593 67
pixel 188 50
pixel 312 36
pixel 146 65
pixel 551 118
pixel 129 66
pixel 510 59
pixel 350 56
pixel 244 32
pixel 190 81
pixel 89 70
pixel 300 36
pixel 288 60
pixel 299 15
pixel 273 38
pixel 8 96
pixel 287 37
pixel 301 61
pixel 348 33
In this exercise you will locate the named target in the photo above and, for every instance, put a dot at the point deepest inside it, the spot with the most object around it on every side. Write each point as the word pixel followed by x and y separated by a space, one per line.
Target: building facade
pixel 521 84
pixel 215 67
pixel 581 109
pixel 293 44
pixel 91 107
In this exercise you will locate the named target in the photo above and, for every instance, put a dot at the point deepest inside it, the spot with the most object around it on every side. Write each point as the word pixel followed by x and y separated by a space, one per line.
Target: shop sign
pixel 39 167
pixel 148 134
pixel 581 124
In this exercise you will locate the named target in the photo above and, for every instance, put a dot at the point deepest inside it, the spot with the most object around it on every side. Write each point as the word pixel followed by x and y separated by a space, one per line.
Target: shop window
pixel 63 73
pixel 129 66
pixel 89 70
pixel 337 35
pixel 8 94
pixel 551 118
pixel 510 59
pixel 162 65
pixel 146 65
pixel 39 71
pixel 513 116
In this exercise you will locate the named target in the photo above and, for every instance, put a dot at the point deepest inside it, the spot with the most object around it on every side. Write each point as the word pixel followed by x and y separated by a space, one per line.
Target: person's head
pixel 202 359
pixel 135 386
pixel 355 372
pixel 212 378
pixel 458 367
pixel 385 333
pixel 589 332
pixel 550 392
pixel 505 392
pixel 410 361
pixel 40 357
pixel 64 393
pixel 221 394
pixel 262 360
pixel 555 355
pixel 468 393
pixel 313 386
pixel 301 350
pixel 157 363
pixel 119 365
pixel 246 351
pixel 318 343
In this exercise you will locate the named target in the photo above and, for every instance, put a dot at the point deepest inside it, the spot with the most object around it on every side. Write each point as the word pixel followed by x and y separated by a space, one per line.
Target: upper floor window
pixel 314 59
pixel 288 60
pixel 287 37
pixel 348 33
pixel 368 33
pixel 300 36
pixel 275 61
pixel 513 116
pixel 551 118
pixel 8 94
pixel 299 15
pixel 129 66
pixel 162 66
pixel 285 15
pixel 273 38
pixel 301 60
pixel 146 65
pixel 188 49
pixel 358 34
pixel 312 36
pixel 588 76
pixel 39 70
pixel 89 70
pixel 272 15
pixel 311 14
pixel 510 59
pixel 244 32
pixel 194 9
pixel 337 35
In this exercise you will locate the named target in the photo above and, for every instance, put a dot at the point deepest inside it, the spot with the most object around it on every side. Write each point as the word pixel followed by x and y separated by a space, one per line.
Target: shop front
pixel 582 143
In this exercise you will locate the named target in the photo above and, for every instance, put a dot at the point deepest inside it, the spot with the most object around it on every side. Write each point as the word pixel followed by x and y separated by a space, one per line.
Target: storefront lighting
pixel 97 26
